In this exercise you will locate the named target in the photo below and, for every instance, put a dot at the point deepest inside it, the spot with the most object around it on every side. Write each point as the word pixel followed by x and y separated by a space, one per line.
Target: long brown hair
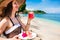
pixel 7 11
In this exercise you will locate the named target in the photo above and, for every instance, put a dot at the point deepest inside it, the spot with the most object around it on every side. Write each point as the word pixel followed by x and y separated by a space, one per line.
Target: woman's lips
pixel 16 7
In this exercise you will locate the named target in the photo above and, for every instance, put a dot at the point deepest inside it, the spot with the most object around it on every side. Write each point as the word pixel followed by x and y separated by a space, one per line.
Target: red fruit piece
pixel 24 34
pixel 31 15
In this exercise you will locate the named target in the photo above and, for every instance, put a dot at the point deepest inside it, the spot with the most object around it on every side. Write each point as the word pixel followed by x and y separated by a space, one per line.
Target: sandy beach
pixel 46 30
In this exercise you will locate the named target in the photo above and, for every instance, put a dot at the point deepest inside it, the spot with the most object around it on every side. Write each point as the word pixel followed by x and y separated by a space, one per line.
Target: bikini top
pixel 15 26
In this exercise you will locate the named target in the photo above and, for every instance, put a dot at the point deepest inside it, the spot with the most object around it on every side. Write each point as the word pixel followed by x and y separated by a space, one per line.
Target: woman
pixel 10 23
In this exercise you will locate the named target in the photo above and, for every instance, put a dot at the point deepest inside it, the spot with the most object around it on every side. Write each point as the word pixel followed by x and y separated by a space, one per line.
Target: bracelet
pixel 28 23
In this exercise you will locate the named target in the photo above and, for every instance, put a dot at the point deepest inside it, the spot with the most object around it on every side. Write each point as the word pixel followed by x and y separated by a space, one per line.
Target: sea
pixel 49 16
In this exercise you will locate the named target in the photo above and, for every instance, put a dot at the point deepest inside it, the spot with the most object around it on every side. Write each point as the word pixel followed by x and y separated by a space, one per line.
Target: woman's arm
pixel 3 25
pixel 25 27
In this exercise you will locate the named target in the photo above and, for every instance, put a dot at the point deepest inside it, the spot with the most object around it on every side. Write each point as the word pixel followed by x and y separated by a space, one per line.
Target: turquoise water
pixel 54 17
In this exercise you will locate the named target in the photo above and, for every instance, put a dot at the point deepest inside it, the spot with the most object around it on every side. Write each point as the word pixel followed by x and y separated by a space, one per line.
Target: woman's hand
pixel 30 16
pixel 15 38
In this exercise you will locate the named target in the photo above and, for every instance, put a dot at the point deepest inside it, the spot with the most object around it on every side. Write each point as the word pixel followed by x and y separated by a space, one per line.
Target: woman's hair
pixel 7 11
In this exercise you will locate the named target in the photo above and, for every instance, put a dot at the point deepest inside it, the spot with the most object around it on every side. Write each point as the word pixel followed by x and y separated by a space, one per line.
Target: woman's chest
pixel 12 23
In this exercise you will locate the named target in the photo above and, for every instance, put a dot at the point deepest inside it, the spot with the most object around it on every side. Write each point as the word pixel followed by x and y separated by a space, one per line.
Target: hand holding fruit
pixel 30 15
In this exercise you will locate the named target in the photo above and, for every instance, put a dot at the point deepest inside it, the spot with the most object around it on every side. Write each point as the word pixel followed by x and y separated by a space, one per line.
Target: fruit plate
pixel 33 35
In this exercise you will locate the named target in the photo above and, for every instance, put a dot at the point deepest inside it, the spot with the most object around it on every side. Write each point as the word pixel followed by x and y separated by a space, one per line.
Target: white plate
pixel 33 36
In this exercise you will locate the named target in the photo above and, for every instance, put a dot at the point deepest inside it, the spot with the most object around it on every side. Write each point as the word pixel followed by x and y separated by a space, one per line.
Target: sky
pixel 49 6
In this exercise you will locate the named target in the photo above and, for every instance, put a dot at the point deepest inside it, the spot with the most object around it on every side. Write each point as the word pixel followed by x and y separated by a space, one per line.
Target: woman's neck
pixel 13 14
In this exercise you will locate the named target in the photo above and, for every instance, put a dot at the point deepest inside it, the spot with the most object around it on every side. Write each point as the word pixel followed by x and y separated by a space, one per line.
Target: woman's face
pixel 15 6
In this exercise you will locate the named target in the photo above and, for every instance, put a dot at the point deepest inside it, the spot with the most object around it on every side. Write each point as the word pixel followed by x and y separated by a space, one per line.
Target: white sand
pixel 47 30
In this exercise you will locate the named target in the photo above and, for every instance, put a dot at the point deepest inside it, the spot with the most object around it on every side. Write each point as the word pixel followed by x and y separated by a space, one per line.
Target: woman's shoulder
pixel 5 19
